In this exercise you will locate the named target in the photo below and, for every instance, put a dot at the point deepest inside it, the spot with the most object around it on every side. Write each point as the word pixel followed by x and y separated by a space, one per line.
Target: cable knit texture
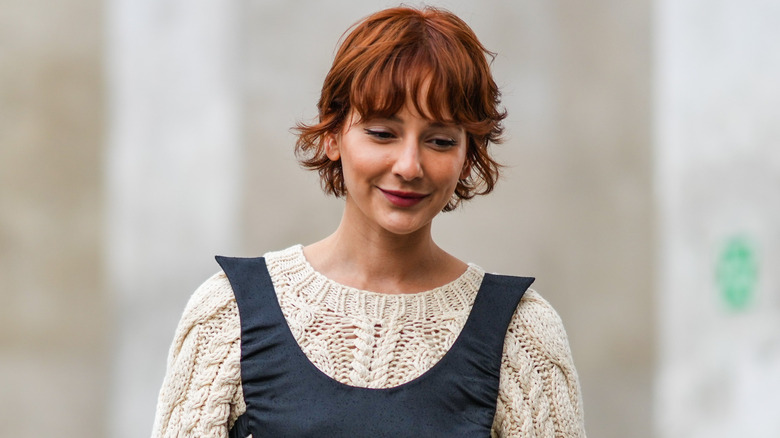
pixel 366 339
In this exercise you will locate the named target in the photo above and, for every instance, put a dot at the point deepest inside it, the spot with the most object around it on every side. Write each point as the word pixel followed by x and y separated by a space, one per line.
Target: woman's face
pixel 399 172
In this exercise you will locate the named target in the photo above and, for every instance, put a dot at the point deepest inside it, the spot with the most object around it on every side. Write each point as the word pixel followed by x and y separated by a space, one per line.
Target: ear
pixel 466 169
pixel 332 147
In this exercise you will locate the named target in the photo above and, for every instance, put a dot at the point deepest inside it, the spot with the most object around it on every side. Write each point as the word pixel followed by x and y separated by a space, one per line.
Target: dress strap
pixel 495 304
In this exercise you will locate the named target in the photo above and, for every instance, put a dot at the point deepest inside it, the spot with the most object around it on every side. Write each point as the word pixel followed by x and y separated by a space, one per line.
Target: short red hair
pixel 388 57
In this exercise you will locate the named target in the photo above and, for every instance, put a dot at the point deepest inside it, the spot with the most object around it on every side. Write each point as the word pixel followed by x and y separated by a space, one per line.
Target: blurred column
pixel 52 308
pixel 173 178
pixel 718 183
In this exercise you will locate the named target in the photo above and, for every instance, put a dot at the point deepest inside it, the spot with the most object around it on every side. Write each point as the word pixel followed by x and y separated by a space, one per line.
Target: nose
pixel 407 163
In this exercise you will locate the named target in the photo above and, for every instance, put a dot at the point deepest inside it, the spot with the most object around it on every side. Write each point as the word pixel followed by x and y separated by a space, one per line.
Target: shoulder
pixel 212 307
pixel 211 296
pixel 536 336
pixel 536 320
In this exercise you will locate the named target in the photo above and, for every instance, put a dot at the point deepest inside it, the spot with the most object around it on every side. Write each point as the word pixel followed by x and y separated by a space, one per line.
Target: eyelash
pixel 381 135
pixel 385 135
pixel 440 142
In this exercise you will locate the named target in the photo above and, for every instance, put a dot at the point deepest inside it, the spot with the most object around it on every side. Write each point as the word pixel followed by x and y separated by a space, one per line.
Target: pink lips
pixel 403 199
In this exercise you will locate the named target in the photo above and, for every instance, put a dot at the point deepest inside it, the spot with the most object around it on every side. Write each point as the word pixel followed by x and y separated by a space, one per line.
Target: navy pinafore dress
pixel 287 396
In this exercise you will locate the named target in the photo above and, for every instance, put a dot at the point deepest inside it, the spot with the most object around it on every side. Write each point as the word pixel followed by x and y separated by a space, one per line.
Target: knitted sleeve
pixel 201 394
pixel 539 392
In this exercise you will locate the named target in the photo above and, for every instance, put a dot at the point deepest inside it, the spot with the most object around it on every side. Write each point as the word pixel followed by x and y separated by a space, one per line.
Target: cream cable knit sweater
pixel 365 339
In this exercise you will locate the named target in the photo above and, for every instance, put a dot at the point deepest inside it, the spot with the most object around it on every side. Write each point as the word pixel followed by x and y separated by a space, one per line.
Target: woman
pixel 375 330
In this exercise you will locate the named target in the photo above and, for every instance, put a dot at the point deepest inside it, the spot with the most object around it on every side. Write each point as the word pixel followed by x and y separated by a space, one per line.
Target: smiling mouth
pixel 403 199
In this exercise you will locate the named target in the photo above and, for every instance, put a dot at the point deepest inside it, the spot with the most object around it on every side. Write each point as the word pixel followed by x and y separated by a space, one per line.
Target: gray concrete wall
pixel 54 321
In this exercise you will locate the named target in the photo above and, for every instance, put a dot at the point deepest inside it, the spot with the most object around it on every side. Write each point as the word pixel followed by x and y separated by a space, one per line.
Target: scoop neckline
pixel 471 270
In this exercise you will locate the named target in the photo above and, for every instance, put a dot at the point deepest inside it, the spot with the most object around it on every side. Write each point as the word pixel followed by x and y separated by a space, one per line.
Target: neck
pixel 380 261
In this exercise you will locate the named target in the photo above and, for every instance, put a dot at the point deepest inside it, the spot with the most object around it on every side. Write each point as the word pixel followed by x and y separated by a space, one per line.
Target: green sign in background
pixel 737 272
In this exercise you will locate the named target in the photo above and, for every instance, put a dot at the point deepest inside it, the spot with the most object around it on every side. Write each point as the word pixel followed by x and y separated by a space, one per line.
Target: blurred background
pixel 138 138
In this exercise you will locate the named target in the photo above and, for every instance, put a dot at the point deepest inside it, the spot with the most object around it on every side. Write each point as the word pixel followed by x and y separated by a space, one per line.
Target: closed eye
pixel 444 142
pixel 379 134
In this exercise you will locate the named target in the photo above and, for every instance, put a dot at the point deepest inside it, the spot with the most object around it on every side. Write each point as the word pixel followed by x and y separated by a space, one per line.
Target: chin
pixel 402 229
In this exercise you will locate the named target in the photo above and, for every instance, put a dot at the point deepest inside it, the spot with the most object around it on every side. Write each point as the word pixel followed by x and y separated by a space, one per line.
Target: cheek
pixel 361 164
pixel 450 170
